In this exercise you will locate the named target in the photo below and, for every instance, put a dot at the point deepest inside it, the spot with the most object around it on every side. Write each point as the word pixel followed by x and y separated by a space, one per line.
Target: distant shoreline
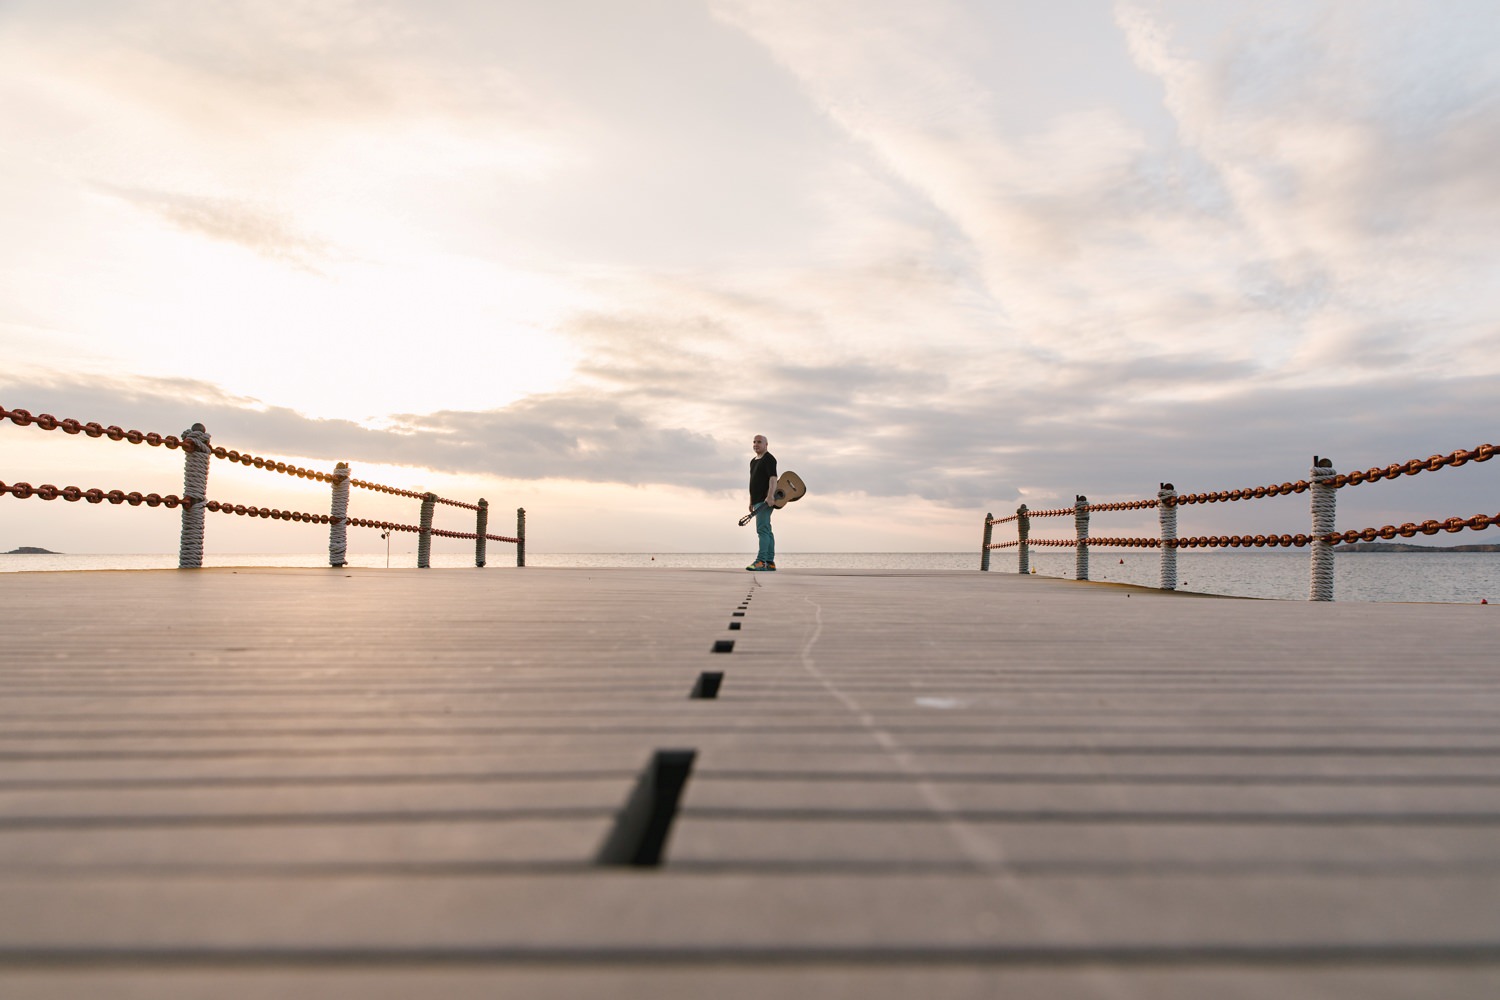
pixel 32 550
pixel 1407 547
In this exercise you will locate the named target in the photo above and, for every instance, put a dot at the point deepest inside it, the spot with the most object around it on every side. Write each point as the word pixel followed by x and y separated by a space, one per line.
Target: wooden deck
pixel 397 783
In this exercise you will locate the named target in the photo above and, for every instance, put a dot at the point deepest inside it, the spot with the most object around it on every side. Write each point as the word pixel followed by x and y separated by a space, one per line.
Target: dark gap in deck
pixel 639 836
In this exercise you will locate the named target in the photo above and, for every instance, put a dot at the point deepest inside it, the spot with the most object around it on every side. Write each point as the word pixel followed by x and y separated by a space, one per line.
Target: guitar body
pixel 789 487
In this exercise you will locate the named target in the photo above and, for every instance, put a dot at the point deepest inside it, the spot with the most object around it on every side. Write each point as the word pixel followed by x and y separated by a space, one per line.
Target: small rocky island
pixel 32 550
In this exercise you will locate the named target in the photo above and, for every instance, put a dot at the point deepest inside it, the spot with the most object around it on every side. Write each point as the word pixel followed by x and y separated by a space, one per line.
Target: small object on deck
pixel 723 645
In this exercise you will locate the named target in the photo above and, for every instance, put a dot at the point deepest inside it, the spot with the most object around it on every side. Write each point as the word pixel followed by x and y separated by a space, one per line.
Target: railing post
pixel 1023 534
pixel 338 517
pixel 1320 588
pixel 1166 509
pixel 424 540
pixel 195 492
pixel 481 526
pixel 1081 522
pixel 520 536
pixel 984 546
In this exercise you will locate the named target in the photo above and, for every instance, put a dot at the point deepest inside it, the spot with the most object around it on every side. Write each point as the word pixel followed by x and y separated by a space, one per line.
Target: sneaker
pixel 757 566
pixel 769 567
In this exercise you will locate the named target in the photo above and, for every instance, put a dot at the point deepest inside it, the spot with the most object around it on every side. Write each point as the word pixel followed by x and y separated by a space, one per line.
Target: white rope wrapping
pixel 195 488
pixel 520 536
pixel 1168 511
pixel 1320 588
pixel 481 528
pixel 1023 532
pixel 424 541
pixel 338 521
pixel 1081 521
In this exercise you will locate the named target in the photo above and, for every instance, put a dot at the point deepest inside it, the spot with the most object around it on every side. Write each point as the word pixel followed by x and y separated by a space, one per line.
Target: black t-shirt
pixel 762 474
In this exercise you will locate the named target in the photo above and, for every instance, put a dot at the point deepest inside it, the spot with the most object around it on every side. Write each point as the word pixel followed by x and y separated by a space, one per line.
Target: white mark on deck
pixel 983 851
pixel 979 849
pixel 941 702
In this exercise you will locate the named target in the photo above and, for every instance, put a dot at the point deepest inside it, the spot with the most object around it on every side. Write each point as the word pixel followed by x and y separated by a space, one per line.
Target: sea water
pixel 1442 577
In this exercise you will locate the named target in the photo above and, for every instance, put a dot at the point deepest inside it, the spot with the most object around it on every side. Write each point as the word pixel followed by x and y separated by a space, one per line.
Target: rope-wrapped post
pixel 984 546
pixel 338 517
pixel 1081 521
pixel 481 525
pixel 195 493
pixel 1023 533
pixel 1166 507
pixel 520 536
pixel 424 540
pixel 1320 587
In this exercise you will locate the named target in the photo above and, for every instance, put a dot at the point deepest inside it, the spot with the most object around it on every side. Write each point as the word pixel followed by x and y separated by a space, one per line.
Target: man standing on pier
pixel 762 492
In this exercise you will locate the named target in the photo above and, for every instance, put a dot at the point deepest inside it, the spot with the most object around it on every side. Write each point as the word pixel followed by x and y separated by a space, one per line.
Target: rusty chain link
pixel 1067 511
pixel 411 494
pixel 1482 453
pixel 471 536
pixel 1244 541
pixel 1248 493
pixel 378 488
pixel 1257 493
pixel 1124 505
pixel 72 494
pixel 270 465
pixel 1059 512
pixel 354 522
pixel 1114 543
pixel 47 422
pixel 1451 525
pixel 223 507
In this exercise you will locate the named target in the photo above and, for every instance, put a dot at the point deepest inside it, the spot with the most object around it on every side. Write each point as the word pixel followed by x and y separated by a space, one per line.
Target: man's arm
pixel 771 487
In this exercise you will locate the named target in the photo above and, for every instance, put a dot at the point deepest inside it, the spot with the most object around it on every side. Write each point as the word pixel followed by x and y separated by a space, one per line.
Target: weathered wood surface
pixel 394 783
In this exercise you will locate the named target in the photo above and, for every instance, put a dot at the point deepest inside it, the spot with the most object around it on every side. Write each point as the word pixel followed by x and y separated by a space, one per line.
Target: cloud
pixel 1285 210
pixel 230 220
pixel 1354 151
pixel 228 65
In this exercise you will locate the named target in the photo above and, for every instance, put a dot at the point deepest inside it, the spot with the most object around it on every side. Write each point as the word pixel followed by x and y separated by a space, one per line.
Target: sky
pixel 948 256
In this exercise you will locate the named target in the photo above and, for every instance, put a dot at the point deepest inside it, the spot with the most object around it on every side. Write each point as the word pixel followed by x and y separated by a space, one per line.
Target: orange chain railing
pixel 1323 483
pixel 194 443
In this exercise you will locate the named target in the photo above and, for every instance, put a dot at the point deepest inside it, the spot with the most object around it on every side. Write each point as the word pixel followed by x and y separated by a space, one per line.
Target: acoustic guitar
pixel 789 487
